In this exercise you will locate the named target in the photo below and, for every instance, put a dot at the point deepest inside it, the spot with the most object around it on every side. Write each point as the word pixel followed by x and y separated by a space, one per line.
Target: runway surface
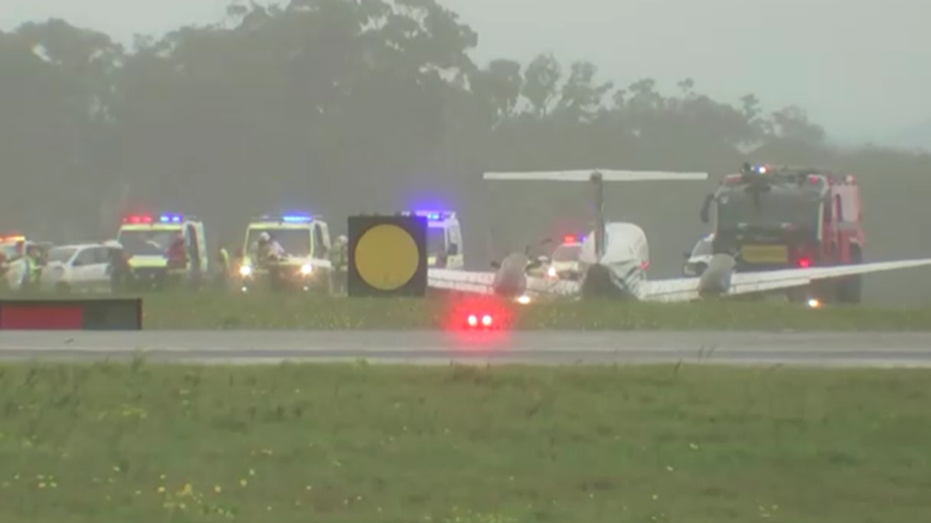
pixel 540 348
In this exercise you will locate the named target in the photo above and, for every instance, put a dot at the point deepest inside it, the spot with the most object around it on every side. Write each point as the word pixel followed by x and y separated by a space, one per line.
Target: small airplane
pixel 615 257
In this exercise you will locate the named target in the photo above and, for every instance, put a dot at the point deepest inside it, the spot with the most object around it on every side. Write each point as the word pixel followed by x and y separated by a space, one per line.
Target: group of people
pixel 32 256
pixel 268 251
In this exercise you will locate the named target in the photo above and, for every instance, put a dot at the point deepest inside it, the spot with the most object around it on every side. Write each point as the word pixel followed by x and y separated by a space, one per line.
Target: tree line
pixel 342 107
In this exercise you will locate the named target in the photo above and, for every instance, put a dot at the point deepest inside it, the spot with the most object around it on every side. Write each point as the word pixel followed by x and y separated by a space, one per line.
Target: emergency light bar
pixel 286 218
pixel 435 216
pixel 145 219
pixel 573 239
pixel 136 219
pixel 11 239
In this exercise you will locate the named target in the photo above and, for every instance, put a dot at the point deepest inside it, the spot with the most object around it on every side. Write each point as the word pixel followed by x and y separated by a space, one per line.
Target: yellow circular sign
pixel 386 257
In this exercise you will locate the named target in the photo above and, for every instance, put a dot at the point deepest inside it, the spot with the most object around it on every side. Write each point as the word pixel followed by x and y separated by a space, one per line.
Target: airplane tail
pixel 597 177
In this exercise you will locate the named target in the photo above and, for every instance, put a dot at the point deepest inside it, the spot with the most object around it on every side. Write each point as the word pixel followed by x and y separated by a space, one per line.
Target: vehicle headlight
pixel 551 272
pixel 307 269
pixel 523 299
pixel 245 270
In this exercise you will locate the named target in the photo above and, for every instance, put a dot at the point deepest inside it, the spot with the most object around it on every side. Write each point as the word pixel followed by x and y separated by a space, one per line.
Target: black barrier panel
pixel 89 314
pixel 387 256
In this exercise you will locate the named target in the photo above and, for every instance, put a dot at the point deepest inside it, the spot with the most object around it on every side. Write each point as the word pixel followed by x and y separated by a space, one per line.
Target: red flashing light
pixel 474 320
pixel 804 263
pixel 814 180
pixel 137 219
pixel 568 239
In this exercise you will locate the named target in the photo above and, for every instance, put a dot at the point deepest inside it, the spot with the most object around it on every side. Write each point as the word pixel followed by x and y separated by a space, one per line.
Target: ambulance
pixel 145 240
pixel 305 239
pixel 444 239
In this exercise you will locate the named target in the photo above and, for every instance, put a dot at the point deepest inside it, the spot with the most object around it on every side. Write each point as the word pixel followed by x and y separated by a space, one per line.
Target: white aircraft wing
pixel 552 287
pixel 687 289
pixel 462 281
pixel 482 283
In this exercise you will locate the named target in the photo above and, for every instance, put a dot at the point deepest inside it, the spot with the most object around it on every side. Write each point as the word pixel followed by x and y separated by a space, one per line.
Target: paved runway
pixel 542 348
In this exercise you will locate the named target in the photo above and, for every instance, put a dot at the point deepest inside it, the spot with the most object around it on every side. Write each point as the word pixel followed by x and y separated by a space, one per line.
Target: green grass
pixel 199 311
pixel 185 310
pixel 145 443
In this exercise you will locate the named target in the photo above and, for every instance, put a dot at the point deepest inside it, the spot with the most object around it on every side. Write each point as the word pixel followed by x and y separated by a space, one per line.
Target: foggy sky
pixel 862 68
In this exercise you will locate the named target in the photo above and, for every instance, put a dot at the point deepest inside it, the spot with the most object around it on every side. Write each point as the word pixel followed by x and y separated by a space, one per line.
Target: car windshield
pixel 147 243
pixel 436 241
pixel 61 254
pixel 8 249
pixel 737 208
pixel 567 253
pixel 295 242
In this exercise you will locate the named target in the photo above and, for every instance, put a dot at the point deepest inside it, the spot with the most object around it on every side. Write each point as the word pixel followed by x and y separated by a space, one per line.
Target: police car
pixel 564 262
pixel 306 242
pixel 79 267
pixel 146 239
pixel 697 260
pixel 444 239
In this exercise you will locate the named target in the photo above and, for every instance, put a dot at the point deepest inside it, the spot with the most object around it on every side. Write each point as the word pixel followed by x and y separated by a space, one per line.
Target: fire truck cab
pixel 770 217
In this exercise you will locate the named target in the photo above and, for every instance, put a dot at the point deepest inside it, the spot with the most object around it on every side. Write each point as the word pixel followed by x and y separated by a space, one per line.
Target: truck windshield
pixel 776 208
pixel 139 242
pixel 436 241
pixel 295 242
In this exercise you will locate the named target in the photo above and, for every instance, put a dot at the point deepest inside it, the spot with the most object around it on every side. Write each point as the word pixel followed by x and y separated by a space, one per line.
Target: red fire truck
pixel 771 217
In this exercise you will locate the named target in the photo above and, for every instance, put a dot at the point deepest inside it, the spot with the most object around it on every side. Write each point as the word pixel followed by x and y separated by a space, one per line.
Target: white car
pixel 81 267
pixel 696 260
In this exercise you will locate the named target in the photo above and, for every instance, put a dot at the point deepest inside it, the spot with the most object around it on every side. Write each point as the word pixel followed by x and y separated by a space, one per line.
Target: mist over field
pixel 344 108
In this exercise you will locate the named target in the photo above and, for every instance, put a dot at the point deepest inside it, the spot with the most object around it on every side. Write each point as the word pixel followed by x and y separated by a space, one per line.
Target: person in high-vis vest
pixel 4 268
pixel 339 259
pixel 33 270
pixel 223 267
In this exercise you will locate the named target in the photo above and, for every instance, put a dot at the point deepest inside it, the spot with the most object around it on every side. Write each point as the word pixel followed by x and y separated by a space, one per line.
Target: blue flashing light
pixel 434 216
pixel 296 219
pixel 171 218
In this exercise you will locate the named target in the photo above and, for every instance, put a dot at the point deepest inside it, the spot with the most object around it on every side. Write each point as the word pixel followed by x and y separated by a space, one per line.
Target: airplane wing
pixel 462 281
pixel 687 289
pixel 482 283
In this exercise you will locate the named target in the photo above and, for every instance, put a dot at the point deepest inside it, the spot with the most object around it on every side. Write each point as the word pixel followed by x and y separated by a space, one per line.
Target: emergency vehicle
pixel 306 242
pixel 444 239
pixel 146 241
pixel 564 263
pixel 9 245
pixel 14 247
pixel 84 267
pixel 770 217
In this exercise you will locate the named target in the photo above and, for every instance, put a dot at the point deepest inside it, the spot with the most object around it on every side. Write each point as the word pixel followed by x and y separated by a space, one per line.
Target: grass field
pixel 350 444
pixel 297 311
pixel 185 310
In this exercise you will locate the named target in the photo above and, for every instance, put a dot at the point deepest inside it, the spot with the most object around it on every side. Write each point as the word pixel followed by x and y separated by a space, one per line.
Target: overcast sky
pixel 861 67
